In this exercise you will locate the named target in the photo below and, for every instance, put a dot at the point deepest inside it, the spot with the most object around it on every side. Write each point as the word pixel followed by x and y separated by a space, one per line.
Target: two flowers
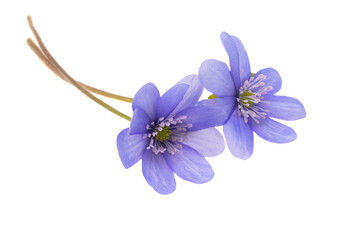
pixel 173 133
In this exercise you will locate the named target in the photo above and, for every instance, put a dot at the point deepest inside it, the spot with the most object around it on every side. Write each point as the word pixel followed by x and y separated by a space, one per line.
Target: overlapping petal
pixel 192 94
pixel 273 131
pixel 157 173
pixel 147 98
pixel 201 117
pixel 238 58
pixel 190 165
pixel 138 122
pixel 273 79
pixel 226 104
pixel 170 99
pixel 285 108
pixel 130 147
pixel 239 136
pixel 208 142
pixel 216 78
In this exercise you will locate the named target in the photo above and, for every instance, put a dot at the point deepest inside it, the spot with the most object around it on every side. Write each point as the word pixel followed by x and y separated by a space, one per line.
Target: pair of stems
pixel 45 56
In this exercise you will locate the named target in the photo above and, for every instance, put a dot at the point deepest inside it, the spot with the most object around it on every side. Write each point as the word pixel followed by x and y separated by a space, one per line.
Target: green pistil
pixel 247 96
pixel 164 134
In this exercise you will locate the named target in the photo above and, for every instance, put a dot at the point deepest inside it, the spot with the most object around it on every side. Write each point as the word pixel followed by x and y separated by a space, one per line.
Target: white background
pixel 60 174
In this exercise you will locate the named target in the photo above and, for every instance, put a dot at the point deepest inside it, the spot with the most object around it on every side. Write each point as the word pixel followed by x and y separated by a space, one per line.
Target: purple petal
pixel 130 148
pixel 273 79
pixel 157 173
pixel 226 104
pixel 193 93
pixel 238 58
pixel 147 98
pixel 190 165
pixel 138 122
pixel 285 108
pixel 216 78
pixel 202 117
pixel 239 136
pixel 170 100
pixel 273 131
pixel 208 142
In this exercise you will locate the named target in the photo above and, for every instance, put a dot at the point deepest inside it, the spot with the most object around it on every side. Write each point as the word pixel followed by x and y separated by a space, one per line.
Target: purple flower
pixel 249 100
pixel 172 135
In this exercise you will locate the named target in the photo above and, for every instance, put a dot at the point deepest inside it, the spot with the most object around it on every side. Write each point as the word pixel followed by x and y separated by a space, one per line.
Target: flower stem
pixel 50 62
pixel 47 63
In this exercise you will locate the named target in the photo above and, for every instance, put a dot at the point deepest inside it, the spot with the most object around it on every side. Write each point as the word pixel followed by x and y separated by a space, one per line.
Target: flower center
pixel 167 134
pixel 246 98
pixel 250 94
pixel 163 135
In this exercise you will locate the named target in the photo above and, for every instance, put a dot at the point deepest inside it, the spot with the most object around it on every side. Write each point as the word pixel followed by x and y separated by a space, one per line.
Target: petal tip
pixel 241 155
pixel 303 115
pixel 293 136
pixel 224 35
pixel 210 176
pixel 146 98
pixel 166 191
pixel 239 137
pixel 130 148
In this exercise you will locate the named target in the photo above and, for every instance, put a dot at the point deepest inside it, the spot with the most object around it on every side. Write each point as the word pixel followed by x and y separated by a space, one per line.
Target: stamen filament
pixel 250 95
pixel 59 71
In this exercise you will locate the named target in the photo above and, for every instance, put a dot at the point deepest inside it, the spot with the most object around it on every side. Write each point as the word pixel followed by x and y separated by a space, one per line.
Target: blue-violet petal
pixel 273 131
pixel 208 142
pixel 282 107
pixel 138 122
pixel 273 79
pixel 157 173
pixel 201 117
pixel 130 147
pixel 226 104
pixel 239 136
pixel 190 165
pixel 216 78
pixel 193 93
pixel 170 99
pixel 238 58
pixel 147 99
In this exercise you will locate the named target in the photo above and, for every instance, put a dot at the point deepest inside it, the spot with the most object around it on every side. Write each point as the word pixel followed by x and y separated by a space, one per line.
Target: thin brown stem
pixel 48 64
pixel 64 75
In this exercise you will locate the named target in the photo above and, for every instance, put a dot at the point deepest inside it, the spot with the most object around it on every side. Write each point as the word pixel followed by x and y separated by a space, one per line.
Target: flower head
pixel 171 134
pixel 248 99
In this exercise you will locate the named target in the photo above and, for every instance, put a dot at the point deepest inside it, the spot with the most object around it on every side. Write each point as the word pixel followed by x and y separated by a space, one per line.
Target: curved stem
pixel 47 63
pixel 106 94
pixel 58 70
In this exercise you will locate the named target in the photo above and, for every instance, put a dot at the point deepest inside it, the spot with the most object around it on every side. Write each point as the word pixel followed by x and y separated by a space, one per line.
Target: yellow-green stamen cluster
pixel 250 94
pixel 164 134
pixel 246 98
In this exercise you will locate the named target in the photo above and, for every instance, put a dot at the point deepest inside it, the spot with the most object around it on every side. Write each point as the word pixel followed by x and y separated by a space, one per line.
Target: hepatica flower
pixel 249 100
pixel 172 135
